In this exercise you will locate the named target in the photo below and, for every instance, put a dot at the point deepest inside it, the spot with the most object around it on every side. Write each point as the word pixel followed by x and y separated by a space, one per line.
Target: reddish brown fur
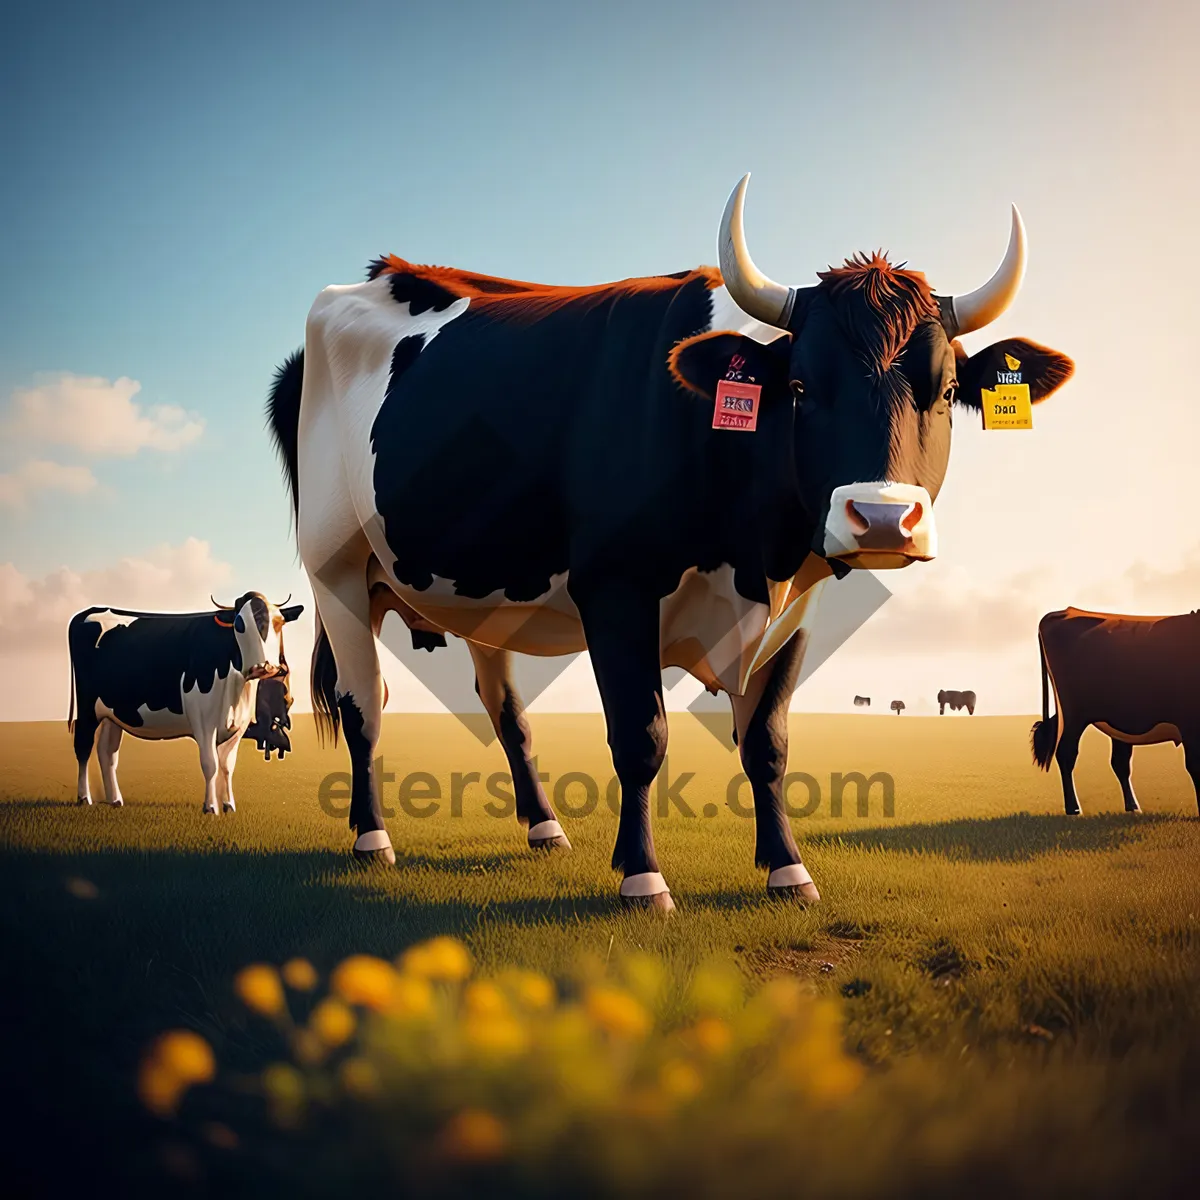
pixel 531 299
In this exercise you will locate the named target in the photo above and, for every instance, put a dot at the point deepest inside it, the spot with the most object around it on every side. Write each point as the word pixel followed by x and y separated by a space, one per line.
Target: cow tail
pixel 324 684
pixel 71 710
pixel 283 420
pixel 1043 737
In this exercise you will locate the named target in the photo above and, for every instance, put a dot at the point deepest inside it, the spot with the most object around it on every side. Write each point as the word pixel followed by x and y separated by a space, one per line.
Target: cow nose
pixel 880 525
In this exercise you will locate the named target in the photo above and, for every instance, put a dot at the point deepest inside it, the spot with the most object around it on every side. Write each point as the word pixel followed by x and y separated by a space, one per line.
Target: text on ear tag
pixel 1007 406
pixel 736 405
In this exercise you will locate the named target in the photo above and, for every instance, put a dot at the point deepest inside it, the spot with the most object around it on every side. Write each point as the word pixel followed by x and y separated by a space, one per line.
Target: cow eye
pixel 239 624
pixel 949 394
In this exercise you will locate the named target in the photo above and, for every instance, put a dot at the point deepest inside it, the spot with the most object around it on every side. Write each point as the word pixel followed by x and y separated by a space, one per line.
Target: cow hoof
pixel 117 803
pixel 1074 812
pixel 548 835
pixel 210 812
pixel 84 800
pixel 375 847
pixel 649 891
pixel 792 883
pixel 228 808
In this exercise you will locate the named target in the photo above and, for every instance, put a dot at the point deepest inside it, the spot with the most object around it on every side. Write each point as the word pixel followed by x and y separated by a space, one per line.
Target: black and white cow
pixel 662 470
pixel 171 675
pixel 862 701
pixel 954 701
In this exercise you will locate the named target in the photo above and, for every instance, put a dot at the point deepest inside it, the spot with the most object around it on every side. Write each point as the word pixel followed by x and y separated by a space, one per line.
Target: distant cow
pixel 168 675
pixel 862 701
pixel 897 706
pixel 272 715
pixel 956 700
pixel 1134 678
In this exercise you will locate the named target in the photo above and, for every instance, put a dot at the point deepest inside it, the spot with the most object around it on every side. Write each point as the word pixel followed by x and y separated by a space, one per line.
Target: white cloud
pixel 36 475
pixel 98 417
pixel 34 612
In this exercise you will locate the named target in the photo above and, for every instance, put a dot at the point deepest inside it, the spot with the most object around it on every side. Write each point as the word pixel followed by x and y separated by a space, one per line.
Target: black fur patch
pixel 420 294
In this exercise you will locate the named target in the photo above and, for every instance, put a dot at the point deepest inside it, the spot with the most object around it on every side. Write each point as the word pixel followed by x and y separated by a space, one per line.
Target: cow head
pixel 272 717
pixel 871 364
pixel 258 628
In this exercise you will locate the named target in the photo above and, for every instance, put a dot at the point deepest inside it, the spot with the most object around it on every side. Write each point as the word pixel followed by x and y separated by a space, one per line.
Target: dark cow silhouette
pixel 954 701
pixel 862 701
pixel 897 706
pixel 1136 679
pixel 661 470
pixel 272 715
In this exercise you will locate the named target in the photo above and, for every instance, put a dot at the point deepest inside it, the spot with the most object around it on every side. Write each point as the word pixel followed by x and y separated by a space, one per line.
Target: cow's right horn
pixel 752 291
pixel 221 607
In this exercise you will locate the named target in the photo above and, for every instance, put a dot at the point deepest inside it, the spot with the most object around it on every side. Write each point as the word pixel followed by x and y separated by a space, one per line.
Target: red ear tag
pixel 737 405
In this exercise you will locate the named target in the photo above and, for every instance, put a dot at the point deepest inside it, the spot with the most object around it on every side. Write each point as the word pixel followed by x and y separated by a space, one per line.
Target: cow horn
pixel 982 306
pixel 752 291
pixel 222 607
pixel 282 603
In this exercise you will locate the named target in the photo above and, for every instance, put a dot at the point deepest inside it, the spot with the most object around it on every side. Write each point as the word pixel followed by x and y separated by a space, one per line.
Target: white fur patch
pixel 375 839
pixel 651 883
pixel 794 875
pixel 109 620
pixel 544 831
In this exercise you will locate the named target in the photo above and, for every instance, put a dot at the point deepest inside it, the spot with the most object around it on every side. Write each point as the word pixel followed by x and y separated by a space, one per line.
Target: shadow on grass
pixel 1016 838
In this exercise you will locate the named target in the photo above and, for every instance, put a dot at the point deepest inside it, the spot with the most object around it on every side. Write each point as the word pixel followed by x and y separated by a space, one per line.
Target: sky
pixel 182 181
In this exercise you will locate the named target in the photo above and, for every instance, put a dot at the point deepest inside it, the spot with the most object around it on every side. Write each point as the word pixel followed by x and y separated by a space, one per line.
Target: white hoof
pixel 229 806
pixel 792 882
pixel 648 890
pixel 210 812
pixel 85 800
pixel 548 835
pixel 375 846
pixel 117 803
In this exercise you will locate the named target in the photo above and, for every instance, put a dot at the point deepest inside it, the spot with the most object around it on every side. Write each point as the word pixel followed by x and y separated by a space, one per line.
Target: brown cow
pixel 1134 678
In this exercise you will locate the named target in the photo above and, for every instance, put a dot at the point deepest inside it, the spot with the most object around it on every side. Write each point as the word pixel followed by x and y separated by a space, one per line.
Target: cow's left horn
pixel 283 602
pixel 752 291
pixel 982 306
pixel 222 607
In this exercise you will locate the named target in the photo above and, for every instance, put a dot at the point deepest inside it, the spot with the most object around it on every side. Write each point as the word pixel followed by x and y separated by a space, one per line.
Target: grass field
pixel 1021 986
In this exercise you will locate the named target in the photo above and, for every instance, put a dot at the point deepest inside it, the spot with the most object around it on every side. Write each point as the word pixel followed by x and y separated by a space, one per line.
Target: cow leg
pixel 206 740
pixel 226 762
pixel 84 738
pixel 1191 756
pixel 1065 755
pixel 1122 761
pixel 495 686
pixel 107 751
pixel 621 626
pixel 761 717
pixel 344 605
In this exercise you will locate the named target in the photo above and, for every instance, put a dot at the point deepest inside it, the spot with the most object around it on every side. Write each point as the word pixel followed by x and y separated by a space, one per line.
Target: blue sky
pixel 182 182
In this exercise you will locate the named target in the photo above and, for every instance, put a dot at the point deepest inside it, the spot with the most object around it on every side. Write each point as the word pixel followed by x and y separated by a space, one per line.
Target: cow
pixel 272 714
pixel 170 675
pixel 862 701
pixel 664 471
pixel 954 701
pixel 897 706
pixel 1133 678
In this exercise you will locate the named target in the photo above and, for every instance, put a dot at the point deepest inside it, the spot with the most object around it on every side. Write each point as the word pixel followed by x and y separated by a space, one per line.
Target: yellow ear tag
pixel 1007 406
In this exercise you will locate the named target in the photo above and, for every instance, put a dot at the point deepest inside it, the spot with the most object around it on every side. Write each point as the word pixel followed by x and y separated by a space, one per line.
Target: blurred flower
pixel 441 959
pixel 365 980
pixel 473 1135
pixel 411 997
pixel 644 976
pixel 617 1012
pixel 485 999
pixel 836 1079
pixel 307 1048
pixel 221 1136
pixel 712 1036
pixel 259 989
pixel 717 989
pixel 680 1080
pixel 175 1061
pixel 283 1086
pixel 300 975
pixel 500 1036
pixel 528 987
pixel 359 1079
pixel 332 1022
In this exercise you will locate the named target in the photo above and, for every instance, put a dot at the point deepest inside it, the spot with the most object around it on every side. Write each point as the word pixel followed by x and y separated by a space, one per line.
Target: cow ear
pixel 700 363
pixel 291 612
pixel 1013 360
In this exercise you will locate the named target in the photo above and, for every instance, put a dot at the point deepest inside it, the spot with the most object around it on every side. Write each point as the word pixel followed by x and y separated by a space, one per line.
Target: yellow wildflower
pixel 364 980
pixel 332 1022
pixel 836 1079
pixel 496 1036
pixel 617 1012
pixel 259 989
pixel 174 1062
pixel 644 976
pixel 712 1036
pixel 485 999
pixel 284 1088
pixel 359 1079
pixel 441 959
pixel 716 988
pixel 474 1135
pixel 528 987
pixel 680 1080
pixel 300 974
pixel 411 997
pixel 307 1048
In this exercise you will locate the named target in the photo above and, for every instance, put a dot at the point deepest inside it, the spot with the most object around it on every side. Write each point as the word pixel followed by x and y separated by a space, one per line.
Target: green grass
pixel 1021 984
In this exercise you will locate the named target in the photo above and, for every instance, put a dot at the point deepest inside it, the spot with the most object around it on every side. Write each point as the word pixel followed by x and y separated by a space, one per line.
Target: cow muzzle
pixel 878 526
